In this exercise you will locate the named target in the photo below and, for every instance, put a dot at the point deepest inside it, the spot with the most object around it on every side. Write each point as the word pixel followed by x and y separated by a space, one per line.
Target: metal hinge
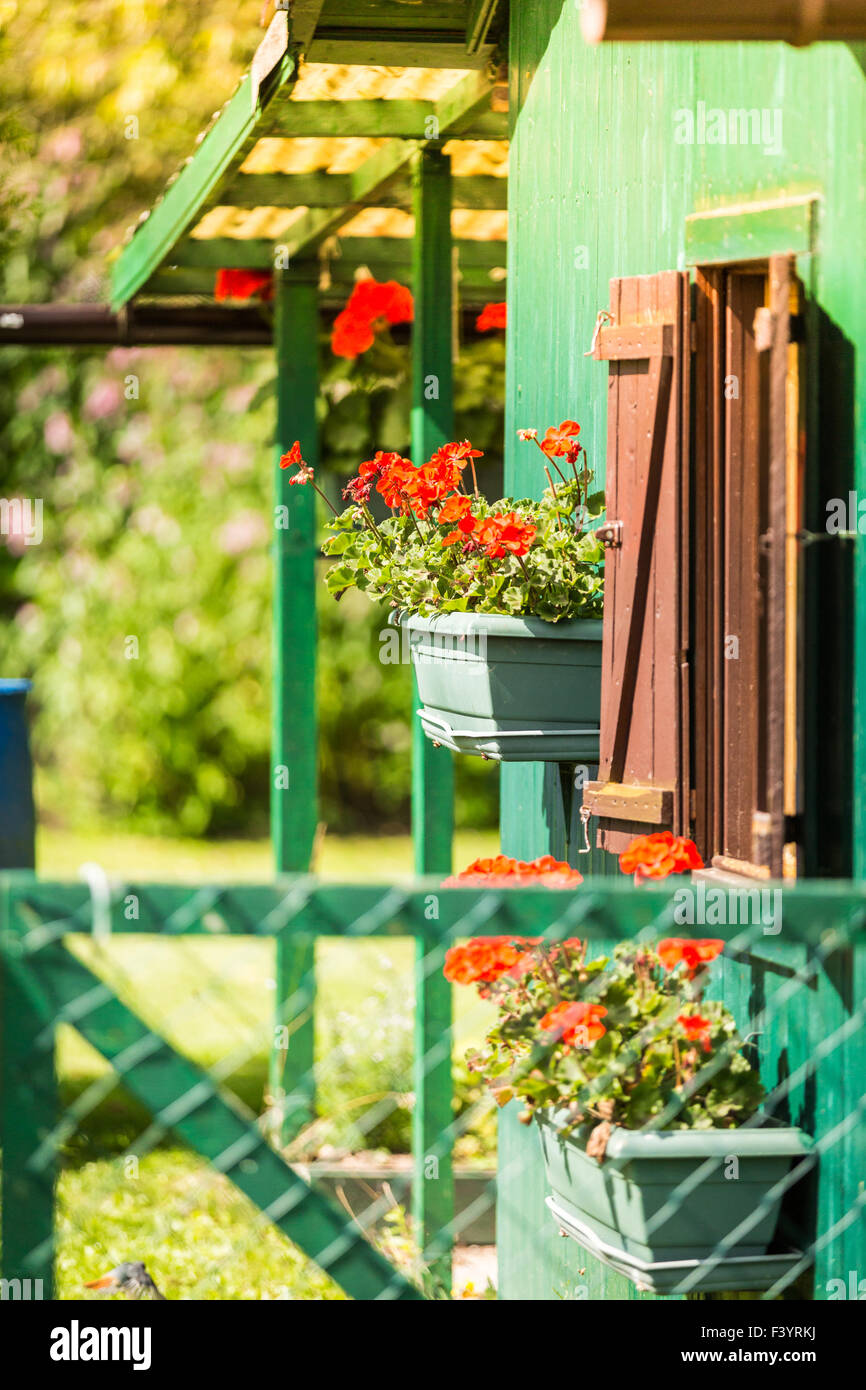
pixel 610 534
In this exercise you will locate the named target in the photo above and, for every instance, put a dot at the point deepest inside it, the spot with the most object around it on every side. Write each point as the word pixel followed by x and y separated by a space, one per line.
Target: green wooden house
pixel 685 276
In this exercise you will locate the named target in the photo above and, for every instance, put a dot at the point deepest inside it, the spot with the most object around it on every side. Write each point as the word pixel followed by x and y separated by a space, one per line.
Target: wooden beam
pixel 381 116
pixel 479 18
pixel 476 289
pixel 303 19
pixel 734 20
pixel 257 253
pixel 319 190
pixel 432 768
pixel 345 47
pixel 293 740
pixel 294 745
pixel 634 341
pixel 221 152
pixel 618 801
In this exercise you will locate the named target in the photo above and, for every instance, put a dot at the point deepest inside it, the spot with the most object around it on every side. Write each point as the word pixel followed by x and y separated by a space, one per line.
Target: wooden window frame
pixel 746 569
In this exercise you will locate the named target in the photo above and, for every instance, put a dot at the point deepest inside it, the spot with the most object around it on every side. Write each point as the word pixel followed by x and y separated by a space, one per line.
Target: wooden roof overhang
pixel 796 22
pixel 309 162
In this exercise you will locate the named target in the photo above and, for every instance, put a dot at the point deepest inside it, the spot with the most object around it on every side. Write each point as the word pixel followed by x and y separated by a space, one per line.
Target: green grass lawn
pixel 213 1000
pixel 350 860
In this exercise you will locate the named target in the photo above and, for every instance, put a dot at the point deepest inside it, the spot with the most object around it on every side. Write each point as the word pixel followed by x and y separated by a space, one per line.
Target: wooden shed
pixel 708 197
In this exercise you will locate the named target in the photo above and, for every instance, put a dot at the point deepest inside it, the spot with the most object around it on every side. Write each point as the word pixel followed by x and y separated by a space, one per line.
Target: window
pixel 702 650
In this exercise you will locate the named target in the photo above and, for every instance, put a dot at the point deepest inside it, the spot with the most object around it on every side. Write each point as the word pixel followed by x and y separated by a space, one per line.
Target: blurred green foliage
pixel 143 617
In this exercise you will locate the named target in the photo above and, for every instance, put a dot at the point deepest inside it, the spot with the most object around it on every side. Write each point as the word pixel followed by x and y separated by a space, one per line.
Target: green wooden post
pixel 432 768
pixel 294 772
pixel 28 1112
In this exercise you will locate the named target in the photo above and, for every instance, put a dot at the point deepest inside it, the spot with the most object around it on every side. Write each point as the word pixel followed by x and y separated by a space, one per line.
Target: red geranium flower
pixel 696 1029
pixel 491 316
pixel 660 854
pixel 381 302
pixel 293 458
pixel 454 509
pixel 482 960
pixel 504 872
pixel 505 532
pixel 557 439
pixel 243 284
pixel 372 306
pixel 350 336
pixel 577 1023
pixel 693 954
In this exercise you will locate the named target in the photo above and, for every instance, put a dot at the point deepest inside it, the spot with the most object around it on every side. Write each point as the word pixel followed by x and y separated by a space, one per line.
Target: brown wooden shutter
pixel 643 774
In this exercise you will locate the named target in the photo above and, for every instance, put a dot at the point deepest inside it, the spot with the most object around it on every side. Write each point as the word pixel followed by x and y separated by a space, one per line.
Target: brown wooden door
pixel 643 773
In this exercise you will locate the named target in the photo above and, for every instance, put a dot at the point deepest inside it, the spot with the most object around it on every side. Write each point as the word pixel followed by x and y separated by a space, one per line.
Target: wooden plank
pixel 635 341
pixel 222 151
pixel 399 117
pixel 251 253
pixel 739 520
pixel 294 738
pixel 479 19
pixel 681 20
pixel 304 19
pixel 481 191
pixel 331 46
pixel 433 17
pixel 432 422
pixel 752 231
pixel 607 906
pixel 781 272
pixel 630 802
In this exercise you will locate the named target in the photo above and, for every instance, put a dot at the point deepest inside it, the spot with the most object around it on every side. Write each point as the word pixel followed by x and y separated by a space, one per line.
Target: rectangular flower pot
pixel 509 689
pixel 673 1195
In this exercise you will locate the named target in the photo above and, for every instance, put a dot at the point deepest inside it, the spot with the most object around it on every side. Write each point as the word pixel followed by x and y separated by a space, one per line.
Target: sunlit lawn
pixel 351 859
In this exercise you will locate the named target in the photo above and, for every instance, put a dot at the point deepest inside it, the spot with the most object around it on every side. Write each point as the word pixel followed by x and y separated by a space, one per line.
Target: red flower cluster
pixel 484 959
pixel 372 306
pixel 502 872
pixel 656 856
pixel 694 954
pixel 491 316
pixel 577 1023
pixel 406 488
pixel 243 284
pixel 499 534
pixel 696 1029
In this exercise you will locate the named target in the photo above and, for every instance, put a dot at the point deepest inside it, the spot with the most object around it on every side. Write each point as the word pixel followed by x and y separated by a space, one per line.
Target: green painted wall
pixel 600 187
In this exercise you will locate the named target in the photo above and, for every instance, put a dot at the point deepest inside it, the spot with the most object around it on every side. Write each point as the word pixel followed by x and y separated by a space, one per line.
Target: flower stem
pixel 370 521
pixel 553 461
pixel 327 503
pixel 413 518
pixel 474 476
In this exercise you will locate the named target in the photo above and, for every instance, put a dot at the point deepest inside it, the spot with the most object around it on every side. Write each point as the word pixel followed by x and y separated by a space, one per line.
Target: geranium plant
pixel 625 1040
pixel 445 548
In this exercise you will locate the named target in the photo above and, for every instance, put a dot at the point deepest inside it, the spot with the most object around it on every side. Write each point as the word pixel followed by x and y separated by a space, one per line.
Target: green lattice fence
pixel 797 990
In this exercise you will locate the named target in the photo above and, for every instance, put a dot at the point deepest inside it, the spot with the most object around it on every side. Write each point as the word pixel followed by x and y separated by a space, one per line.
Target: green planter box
pixel 510 689
pixel 661 1201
